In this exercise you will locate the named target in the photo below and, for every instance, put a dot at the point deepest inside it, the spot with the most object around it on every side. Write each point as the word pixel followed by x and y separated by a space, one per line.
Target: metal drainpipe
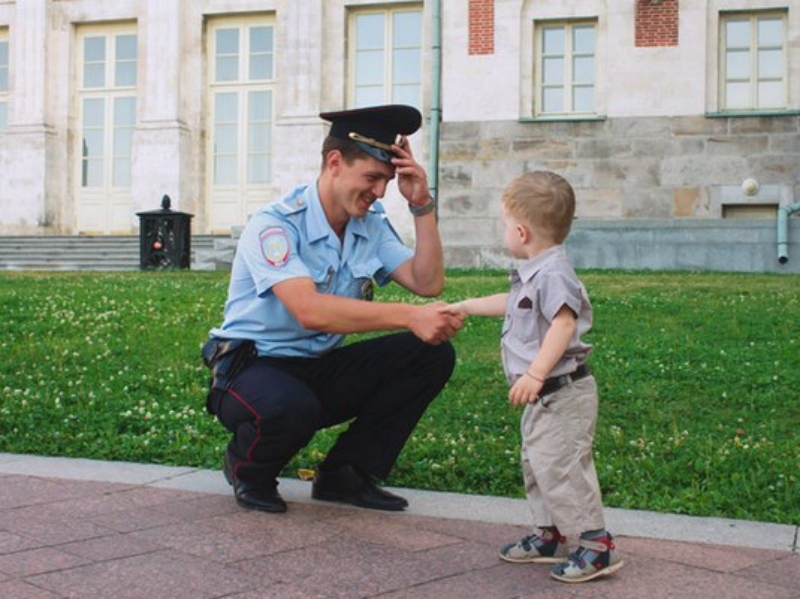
pixel 783 230
pixel 436 98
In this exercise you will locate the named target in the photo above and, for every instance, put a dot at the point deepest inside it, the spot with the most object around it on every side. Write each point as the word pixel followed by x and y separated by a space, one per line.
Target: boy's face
pixel 514 234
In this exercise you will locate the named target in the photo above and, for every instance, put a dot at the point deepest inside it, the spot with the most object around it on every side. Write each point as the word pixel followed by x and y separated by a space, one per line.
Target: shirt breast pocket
pixel 362 285
pixel 325 279
pixel 521 316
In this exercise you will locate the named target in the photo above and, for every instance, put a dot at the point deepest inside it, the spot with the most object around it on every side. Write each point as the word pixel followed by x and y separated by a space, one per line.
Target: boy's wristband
pixel 534 377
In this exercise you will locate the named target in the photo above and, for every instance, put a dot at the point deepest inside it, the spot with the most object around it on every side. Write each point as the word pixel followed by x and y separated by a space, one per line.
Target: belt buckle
pixel 559 382
pixel 563 381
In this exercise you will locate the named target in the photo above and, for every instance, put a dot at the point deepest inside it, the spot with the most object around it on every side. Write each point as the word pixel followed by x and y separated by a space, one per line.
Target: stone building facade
pixel 678 123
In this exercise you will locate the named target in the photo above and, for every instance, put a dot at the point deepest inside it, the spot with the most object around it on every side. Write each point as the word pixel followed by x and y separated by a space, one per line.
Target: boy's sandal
pixel 592 559
pixel 544 549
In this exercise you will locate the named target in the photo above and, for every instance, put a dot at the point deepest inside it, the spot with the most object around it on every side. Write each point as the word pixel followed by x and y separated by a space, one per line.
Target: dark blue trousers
pixel 381 386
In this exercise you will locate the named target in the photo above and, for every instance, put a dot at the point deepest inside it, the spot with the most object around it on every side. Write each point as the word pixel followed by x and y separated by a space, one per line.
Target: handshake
pixel 436 322
pixel 439 321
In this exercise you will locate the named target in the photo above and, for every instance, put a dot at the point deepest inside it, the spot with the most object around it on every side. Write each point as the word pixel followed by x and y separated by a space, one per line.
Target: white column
pixel 159 137
pixel 160 40
pixel 298 126
pixel 300 49
pixel 24 150
pixel 28 44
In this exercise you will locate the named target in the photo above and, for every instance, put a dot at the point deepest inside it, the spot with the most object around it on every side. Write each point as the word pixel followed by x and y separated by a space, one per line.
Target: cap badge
pixel 374 142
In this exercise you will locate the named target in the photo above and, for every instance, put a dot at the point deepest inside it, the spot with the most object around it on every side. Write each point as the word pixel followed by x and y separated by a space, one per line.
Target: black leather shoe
pixel 254 497
pixel 347 484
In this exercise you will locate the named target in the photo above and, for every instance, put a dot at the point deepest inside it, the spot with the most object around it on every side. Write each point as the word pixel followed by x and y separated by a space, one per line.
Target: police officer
pixel 302 279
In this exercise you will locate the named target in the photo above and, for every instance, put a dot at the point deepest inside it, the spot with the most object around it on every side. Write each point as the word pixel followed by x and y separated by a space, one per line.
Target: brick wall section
pixel 481 26
pixel 656 23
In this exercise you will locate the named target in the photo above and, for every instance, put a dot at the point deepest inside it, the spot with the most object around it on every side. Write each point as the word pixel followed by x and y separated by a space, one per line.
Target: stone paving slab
pixel 146 538
pixel 637 523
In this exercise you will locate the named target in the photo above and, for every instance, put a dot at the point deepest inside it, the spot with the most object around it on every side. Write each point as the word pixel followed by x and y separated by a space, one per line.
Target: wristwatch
pixel 425 208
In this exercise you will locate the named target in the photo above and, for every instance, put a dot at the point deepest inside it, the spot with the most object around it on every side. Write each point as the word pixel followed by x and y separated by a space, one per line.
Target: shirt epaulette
pixel 291 204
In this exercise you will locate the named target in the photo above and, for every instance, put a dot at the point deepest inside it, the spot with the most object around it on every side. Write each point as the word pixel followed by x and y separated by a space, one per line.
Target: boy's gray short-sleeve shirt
pixel 539 288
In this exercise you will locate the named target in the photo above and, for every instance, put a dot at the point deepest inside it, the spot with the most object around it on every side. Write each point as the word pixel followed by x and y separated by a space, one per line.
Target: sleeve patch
pixel 274 246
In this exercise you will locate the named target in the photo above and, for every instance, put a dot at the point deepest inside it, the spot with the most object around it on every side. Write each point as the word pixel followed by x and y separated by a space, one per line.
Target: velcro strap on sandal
pixel 598 546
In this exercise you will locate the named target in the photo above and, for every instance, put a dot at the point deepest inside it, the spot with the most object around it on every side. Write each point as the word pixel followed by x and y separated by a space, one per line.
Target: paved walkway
pixel 83 529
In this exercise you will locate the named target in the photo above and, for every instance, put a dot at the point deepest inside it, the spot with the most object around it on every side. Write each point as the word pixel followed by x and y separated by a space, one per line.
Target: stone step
pixel 63 252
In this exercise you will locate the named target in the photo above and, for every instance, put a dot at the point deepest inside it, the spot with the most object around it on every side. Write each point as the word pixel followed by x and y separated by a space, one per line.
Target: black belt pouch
pixel 226 358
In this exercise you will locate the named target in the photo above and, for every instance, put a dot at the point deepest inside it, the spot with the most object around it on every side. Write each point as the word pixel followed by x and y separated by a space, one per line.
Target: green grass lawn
pixel 699 377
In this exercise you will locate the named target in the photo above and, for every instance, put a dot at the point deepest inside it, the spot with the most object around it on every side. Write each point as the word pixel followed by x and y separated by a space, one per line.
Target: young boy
pixel 546 312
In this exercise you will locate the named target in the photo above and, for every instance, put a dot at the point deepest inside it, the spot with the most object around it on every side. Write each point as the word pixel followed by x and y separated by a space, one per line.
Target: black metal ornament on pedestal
pixel 164 238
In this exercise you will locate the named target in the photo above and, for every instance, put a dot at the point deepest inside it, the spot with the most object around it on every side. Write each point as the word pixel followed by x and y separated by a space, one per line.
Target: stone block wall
pixel 653 244
pixel 660 173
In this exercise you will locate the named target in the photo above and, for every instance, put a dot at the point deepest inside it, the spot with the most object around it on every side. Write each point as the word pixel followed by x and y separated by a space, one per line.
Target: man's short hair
pixel 349 150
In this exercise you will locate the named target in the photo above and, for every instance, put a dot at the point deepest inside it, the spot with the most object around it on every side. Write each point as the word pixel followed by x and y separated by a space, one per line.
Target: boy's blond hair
pixel 543 200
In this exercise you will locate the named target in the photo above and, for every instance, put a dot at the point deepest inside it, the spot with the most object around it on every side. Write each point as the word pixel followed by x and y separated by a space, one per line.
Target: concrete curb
pixel 499 510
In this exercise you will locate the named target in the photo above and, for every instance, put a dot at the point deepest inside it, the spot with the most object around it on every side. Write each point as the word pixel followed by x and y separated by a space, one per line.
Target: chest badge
pixel 368 290
pixel 275 246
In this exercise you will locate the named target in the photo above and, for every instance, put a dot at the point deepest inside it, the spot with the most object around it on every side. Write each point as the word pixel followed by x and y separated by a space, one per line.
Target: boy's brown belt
pixel 555 383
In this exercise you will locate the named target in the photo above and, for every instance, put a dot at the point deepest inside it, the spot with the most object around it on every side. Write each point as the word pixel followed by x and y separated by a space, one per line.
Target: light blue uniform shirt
pixel 291 239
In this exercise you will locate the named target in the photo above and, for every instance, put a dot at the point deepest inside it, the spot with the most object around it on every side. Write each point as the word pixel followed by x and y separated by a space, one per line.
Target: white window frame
pixel 753 78
pixel 387 87
pixel 111 93
pixel 568 83
pixel 104 196
pixel 4 79
pixel 237 191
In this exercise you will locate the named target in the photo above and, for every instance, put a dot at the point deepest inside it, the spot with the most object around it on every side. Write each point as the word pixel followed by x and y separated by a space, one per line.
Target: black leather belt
pixel 555 383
